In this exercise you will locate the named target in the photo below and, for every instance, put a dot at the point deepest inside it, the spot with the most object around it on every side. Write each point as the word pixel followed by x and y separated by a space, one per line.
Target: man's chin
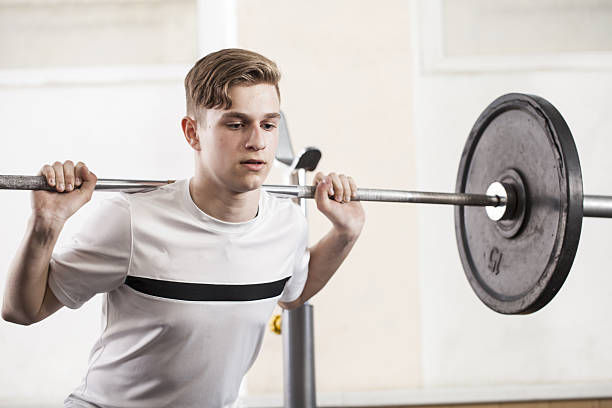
pixel 248 185
pixel 253 181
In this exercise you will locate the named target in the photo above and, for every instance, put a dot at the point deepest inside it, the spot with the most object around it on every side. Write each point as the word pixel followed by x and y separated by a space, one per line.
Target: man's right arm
pixel 27 297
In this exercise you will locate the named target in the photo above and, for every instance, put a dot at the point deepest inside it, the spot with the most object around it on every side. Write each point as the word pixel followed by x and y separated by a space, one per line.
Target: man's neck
pixel 223 204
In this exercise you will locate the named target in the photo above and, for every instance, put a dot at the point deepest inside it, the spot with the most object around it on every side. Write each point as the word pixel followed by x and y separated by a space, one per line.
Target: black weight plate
pixel 522 273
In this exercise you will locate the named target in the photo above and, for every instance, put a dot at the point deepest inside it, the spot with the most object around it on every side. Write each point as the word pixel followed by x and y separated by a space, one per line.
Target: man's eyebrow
pixel 232 114
pixel 274 115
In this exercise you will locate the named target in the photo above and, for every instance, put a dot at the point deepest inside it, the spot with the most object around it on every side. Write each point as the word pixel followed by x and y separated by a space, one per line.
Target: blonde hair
pixel 208 83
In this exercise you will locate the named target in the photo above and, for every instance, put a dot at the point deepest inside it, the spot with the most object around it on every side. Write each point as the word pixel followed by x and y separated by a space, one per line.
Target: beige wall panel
pixel 69 33
pixel 501 27
pixel 346 89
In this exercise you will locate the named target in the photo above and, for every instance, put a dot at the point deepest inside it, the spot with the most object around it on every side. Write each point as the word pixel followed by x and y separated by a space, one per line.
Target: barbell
pixel 521 164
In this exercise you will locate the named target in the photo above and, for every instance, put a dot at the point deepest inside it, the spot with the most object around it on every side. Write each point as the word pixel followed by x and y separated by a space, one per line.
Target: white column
pixel 217 25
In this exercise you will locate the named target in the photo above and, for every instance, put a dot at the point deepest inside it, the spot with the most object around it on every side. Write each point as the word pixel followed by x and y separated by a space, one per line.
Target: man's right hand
pixel 74 187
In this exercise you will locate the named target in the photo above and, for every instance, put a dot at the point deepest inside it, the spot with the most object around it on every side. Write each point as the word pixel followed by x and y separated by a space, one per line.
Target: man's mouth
pixel 253 161
pixel 253 164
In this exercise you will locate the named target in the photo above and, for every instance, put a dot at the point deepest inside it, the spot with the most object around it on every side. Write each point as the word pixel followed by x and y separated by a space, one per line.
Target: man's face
pixel 238 145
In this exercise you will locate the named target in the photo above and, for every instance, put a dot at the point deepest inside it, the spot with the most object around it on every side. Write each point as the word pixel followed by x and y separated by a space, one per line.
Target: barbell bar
pixel 517 252
pixel 594 205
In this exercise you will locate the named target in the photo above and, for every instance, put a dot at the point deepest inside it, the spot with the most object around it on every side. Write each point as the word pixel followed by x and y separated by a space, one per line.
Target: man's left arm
pixel 333 197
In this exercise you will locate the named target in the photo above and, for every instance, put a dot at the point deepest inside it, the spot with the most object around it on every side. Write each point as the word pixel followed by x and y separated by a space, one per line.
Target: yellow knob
pixel 275 324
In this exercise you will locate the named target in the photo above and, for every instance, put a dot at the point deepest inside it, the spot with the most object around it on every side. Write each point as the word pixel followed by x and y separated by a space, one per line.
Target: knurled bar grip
pixel 363 194
pixel 40 183
pixel 400 196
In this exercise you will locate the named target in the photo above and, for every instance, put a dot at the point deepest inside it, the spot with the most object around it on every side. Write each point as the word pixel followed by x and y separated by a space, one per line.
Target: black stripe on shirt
pixel 206 291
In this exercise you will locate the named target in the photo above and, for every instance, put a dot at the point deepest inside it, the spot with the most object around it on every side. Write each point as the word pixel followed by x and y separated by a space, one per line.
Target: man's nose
pixel 257 139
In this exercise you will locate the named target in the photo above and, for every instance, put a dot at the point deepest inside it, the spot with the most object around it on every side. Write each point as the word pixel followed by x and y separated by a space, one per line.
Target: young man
pixel 190 272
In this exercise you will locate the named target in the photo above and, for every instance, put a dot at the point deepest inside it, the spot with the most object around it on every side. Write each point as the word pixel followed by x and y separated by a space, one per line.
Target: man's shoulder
pixel 164 193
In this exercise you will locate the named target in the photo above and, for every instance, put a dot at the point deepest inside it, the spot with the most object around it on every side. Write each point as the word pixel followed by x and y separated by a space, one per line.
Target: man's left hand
pixel 334 196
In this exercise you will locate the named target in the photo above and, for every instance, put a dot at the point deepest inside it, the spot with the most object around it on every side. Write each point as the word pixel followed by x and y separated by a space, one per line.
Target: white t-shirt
pixel 187 297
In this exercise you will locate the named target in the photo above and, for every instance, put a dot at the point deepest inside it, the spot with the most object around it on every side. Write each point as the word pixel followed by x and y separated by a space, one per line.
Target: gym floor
pixel 607 403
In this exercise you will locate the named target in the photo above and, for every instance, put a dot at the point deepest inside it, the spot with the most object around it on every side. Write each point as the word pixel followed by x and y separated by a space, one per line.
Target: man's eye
pixel 268 126
pixel 234 125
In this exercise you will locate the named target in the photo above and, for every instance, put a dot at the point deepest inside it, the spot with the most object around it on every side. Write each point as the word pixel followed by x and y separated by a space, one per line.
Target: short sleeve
pixel 97 258
pixel 295 285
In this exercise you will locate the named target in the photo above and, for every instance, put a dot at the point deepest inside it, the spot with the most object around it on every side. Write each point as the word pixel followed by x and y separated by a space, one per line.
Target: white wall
pixel 569 339
pixel 464 343
pixel 101 82
pixel 346 89
pixel 120 130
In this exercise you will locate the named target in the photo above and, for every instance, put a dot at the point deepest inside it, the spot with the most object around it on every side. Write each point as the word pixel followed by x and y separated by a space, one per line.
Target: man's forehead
pixel 255 102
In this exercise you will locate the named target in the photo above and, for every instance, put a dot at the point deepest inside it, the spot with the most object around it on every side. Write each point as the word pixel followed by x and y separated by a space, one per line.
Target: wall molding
pixel 101 75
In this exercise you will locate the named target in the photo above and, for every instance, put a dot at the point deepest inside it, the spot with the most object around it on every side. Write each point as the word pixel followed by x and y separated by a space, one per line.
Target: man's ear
pixel 190 127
